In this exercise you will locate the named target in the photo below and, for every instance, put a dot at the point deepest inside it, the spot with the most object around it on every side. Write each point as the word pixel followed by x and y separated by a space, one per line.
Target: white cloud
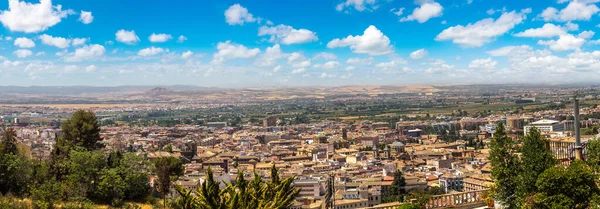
pixel 228 50
pixel 419 54
pixel 79 41
pixel 90 68
pixel 86 17
pixel 181 39
pixel 22 53
pixel 483 64
pixel 359 5
pixel 277 68
pixel 372 42
pixel 24 43
pixel 325 75
pixel 30 17
pixel 40 54
pixel 150 51
pixel 426 11
pixel 575 10
pixel 271 55
pixel 8 38
pixel 483 31
pixel 187 54
pixel 159 38
pixel 328 65
pixel 298 70
pixel 360 61
pixel 54 41
pixel 238 15
pixel 568 41
pixel 325 56
pixel 507 50
pixel 547 31
pixel 571 26
pixel 349 68
pixel 127 37
pixel 86 52
pixel 595 41
pixel 298 60
pixel 397 12
pixel 8 63
pixel 285 34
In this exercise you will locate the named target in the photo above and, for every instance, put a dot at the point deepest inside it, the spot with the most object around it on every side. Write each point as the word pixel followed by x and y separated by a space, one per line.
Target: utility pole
pixel 578 148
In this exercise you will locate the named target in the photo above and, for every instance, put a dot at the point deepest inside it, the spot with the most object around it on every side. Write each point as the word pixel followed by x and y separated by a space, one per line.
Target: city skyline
pixel 292 43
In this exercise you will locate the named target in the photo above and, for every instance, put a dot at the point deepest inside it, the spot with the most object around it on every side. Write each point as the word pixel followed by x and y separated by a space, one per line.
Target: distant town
pixel 343 148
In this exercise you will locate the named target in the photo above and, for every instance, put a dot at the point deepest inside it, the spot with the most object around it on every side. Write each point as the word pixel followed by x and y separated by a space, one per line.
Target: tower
pixel 578 148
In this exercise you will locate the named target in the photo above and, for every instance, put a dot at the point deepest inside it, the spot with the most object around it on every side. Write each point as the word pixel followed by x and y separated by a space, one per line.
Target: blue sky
pixel 252 43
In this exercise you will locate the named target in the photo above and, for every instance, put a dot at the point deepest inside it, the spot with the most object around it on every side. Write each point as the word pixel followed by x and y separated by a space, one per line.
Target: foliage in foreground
pixel 255 194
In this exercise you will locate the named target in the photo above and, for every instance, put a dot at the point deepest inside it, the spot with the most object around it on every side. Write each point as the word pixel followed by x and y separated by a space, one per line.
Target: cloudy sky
pixel 298 42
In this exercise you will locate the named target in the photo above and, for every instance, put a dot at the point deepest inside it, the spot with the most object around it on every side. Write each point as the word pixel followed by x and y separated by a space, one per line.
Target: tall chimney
pixel 578 148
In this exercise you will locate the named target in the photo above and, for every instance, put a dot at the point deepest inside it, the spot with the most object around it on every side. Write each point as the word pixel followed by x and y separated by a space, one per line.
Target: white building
pixel 545 126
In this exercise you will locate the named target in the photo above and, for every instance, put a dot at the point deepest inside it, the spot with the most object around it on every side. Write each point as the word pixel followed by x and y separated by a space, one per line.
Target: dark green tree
pixel 505 167
pixel 571 187
pixel 593 154
pixel 81 130
pixel 111 187
pixel 9 141
pixel 535 159
pixel 167 169
pixel 134 170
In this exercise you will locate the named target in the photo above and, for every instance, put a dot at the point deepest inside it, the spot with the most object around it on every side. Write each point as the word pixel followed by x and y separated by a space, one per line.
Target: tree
pixel 255 194
pixel 535 159
pixel 505 167
pixel 84 169
pixel 167 169
pixel 111 188
pixel 81 130
pixel 9 141
pixel 571 187
pixel 134 170
pixel 593 154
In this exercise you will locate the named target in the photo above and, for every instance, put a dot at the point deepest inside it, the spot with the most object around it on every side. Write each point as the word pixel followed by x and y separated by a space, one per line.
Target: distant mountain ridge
pixel 83 90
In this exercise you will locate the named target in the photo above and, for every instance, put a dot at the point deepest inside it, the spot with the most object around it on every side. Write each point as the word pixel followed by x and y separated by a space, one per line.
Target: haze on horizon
pixel 261 43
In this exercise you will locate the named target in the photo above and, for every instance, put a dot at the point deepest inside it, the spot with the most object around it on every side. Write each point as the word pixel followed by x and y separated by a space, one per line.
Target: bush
pixel 9 202
pixel 410 206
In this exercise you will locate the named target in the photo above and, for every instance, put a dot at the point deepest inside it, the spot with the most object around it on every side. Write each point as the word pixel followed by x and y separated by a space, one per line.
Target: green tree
pixel 134 170
pixel 167 169
pixel 535 159
pixel 571 187
pixel 9 141
pixel 593 154
pixel 111 188
pixel 505 167
pixel 84 169
pixel 81 130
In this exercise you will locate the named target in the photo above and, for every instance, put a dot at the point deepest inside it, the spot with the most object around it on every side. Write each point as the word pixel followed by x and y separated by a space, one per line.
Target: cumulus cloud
pixel 228 50
pixel 426 11
pixel 328 65
pixel 79 41
pixel 360 61
pixel 298 60
pixel 187 54
pixel 285 34
pixel 298 71
pixel 483 64
pixel 358 5
pixel 86 52
pixel 22 53
pixel 575 10
pixel 484 31
pixel 372 42
pixel 397 12
pixel 150 51
pixel 54 41
pixel 568 41
pixel 419 54
pixel 86 17
pixel 159 38
pixel 271 55
pixel 31 17
pixel 24 43
pixel 127 37
pixel 90 68
pixel 505 51
pixel 238 15
pixel 547 31
pixel 325 56
pixel 181 39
